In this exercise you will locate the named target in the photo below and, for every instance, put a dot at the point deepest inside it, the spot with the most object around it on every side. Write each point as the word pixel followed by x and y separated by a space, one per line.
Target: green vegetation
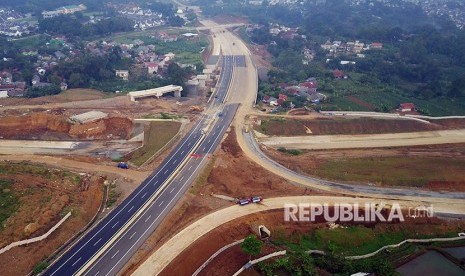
pixel 34 92
pixel 9 202
pixel 157 136
pixel 252 246
pixel 202 179
pixel 290 151
pixel 392 171
pixel 113 194
pixel 41 266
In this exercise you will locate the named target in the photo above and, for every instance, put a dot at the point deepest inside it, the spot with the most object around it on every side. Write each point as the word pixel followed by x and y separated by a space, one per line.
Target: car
pixel 256 199
pixel 220 113
pixel 123 165
pixel 243 201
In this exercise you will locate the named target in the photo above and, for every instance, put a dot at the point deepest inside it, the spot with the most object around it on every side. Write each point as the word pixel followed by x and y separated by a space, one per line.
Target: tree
pixel 252 246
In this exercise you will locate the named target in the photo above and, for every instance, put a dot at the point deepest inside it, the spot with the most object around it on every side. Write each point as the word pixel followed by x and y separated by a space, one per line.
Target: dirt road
pixel 79 166
pixel 367 141
pixel 162 257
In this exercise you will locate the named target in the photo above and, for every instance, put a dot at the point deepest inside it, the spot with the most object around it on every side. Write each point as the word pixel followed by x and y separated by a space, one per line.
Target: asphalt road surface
pixel 208 131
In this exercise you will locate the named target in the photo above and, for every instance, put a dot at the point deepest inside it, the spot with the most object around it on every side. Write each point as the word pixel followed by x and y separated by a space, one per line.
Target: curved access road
pixel 173 247
pixel 367 140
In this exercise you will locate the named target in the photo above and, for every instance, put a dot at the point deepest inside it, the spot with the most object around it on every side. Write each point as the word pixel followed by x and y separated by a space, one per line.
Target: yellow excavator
pixel 196 108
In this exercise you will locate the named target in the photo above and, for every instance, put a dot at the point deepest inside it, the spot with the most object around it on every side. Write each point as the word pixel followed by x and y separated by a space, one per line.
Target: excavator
pixel 196 108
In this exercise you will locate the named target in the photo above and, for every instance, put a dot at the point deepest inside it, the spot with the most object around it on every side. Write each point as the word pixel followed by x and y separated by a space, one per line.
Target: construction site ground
pixel 324 125
pixel 230 174
pixel 434 167
pixel 45 194
pixel 232 259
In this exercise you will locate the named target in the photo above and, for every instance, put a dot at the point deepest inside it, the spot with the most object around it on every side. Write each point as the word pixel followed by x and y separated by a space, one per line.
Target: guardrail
pixel 36 239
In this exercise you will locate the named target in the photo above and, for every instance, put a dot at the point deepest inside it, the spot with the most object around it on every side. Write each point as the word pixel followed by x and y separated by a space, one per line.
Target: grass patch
pixel 157 135
pixel 392 171
pixel 360 240
pixel 203 178
pixel 9 203
pixel 41 266
pixel 113 195
pixel 290 151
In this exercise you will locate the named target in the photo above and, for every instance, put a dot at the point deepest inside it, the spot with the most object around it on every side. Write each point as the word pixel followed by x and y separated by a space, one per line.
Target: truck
pixel 204 130
pixel 123 165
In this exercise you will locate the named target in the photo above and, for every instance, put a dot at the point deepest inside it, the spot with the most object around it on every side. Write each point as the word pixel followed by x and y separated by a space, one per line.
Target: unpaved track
pixel 367 141
pixel 172 248
pixel 136 176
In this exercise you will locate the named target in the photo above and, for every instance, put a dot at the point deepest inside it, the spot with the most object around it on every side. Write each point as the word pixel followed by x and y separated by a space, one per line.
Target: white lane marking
pixel 97 273
pixel 97 242
pixel 76 261
pixel 115 224
pixel 161 203
pixel 189 144
pixel 148 218
pixel 115 254
pixel 165 171
pixel 148 228
pixel 193 132
pixel 190 168
pixel 182 152
pixel 181 178
pixel 172 190
pixel 175 161
pixel 132 235
pixel 144 195
pixel 132 207
pixel 204 148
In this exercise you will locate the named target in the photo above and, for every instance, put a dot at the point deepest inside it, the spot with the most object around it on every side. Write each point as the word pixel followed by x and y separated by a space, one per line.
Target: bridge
pixel 157 92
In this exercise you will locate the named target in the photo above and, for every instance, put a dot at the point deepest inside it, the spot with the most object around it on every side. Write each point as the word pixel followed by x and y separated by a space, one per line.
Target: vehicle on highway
pixel 220 114
pixel 123 165
pixel 256 199
pixel 243 201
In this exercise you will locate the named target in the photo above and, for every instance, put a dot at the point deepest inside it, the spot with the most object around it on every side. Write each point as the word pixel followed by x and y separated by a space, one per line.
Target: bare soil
pixel 232 174
pixel 412 161
pixel 49 126
pixel 45 196
pixel 335 126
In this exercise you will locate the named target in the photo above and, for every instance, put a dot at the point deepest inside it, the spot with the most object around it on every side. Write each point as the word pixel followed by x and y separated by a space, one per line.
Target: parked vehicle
pixel 123 165
pixel 244 201
pixel 256 199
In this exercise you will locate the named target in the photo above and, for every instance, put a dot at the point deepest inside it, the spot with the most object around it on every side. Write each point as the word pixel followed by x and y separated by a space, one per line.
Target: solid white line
pixel 76 261
pixel 115 254
pixel 103 227
pixel 132 235
pixel 132 207
pixel 161 203
pixel 97 242
pixel 109 272
pixel 148 218
pixel 115 224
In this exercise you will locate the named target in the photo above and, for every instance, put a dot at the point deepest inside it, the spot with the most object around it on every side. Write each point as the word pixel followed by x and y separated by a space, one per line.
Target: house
pixel 63 86
pixel 123 74
pixel 282 97
pixel 376 45
pixel 266 99
pixel 273 101
pixel 406 107
pixel 35 79
pixel 6 77
pixel 152 67
pixel 310 85
pixel 338 74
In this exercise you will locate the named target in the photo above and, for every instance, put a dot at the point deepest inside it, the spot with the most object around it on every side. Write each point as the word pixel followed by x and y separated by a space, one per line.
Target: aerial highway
pixel 130 224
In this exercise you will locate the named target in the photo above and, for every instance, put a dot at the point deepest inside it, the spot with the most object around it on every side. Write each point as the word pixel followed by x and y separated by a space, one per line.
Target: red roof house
pixel 406 107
